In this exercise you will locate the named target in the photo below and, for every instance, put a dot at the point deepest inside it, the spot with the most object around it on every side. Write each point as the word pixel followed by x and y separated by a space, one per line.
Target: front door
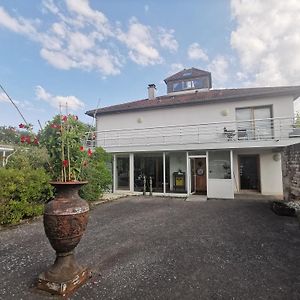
pixel 198 176
pixel 249 172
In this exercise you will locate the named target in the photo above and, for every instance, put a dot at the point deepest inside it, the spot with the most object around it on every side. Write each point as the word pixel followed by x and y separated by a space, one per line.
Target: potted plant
pixel 66 216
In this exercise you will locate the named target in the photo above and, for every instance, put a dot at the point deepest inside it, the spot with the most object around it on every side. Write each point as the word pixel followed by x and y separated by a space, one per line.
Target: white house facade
pixel 197 140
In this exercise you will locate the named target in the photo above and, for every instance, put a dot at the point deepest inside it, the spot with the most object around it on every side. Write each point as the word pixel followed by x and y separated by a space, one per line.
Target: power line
pixel 14 104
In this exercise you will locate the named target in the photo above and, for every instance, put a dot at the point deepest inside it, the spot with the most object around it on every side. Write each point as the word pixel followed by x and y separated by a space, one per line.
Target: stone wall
pixel 291 172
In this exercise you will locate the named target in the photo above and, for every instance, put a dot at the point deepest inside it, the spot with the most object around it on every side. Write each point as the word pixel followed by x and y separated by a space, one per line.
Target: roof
pixel 187 73
pixel 198 97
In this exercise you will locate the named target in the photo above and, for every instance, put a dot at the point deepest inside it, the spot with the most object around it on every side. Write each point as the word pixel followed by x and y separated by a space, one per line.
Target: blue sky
pixel 80 51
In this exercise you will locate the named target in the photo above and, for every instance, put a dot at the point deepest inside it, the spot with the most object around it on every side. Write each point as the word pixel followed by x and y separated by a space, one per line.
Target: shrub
pixel 28 157
pixel 98 176
pixel 13 211
pixel 22 194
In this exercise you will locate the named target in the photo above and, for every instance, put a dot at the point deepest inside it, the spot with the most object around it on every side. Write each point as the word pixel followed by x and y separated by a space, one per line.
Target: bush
pixel 98 176
pixel 22 194
pixel 28 158
pixel 13 211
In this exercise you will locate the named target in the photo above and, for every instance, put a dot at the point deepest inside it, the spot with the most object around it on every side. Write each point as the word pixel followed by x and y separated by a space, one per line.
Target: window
pixel 219 165
pixel 254 122
pixel 177 86
pixel 123 173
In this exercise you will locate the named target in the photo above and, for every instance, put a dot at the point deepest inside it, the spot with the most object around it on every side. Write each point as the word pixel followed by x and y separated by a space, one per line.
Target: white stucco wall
pixel 270 171
pixel 220 188
pixel 271 174
pixel 184 115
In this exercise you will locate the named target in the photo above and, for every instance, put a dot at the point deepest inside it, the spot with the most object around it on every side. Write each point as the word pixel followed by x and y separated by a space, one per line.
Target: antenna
pixel 14 104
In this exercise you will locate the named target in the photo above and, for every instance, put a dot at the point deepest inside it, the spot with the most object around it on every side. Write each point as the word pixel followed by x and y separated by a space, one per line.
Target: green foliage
pixel 25 185
pixel 97 174
pixel 13 211
pixel 9 135
pixel 22 193
pixel 63 138
pixel 29 157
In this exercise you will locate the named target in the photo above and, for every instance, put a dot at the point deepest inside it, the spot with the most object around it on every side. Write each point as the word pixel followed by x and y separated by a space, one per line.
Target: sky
pixel 92 53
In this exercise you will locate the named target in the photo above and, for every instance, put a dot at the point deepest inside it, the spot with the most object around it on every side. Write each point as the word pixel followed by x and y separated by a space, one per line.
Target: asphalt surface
pixel 162 248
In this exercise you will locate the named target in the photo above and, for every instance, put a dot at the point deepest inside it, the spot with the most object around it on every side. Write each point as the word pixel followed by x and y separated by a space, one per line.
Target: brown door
pixel 200 172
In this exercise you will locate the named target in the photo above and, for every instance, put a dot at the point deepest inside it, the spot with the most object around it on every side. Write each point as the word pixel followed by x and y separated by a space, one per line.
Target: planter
pixel 65 220
pixel 281 209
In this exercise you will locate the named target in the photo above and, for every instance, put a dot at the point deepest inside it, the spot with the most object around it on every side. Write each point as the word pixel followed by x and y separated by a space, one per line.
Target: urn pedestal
pixel 65 220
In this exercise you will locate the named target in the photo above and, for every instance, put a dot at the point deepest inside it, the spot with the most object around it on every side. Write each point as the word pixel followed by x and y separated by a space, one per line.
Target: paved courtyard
pixel 162 248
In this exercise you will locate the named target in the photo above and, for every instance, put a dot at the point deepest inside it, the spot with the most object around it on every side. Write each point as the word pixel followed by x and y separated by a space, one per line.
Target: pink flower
pixel 64 118
pixel 75 118
pixel 89 152
pixel 22 125
pixel 81 148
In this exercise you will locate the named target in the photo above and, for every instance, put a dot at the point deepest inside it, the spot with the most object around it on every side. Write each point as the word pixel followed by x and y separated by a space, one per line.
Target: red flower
pixel 65 163
pixel 53 126
pixel 89 152
pixel 36 141
pixel 64 118
pixel 81 148
pixel 21 125
pixel 28 140
pixel 23 138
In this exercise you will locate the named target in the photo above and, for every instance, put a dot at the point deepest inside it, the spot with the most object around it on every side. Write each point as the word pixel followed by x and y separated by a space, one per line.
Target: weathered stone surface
pixel 291 172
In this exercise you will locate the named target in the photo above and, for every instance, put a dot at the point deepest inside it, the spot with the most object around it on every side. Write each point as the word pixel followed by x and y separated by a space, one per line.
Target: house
pixel 195 139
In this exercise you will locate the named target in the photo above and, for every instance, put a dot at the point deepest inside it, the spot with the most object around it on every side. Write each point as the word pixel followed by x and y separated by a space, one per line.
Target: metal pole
pixel 150 186
pixel 144 190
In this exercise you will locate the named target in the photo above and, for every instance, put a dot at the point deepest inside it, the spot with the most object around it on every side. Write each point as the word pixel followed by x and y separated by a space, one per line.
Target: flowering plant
pixel 63 138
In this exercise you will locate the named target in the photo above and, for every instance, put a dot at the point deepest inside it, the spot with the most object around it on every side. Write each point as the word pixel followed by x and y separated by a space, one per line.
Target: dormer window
pixel 189 84
pixel 191 79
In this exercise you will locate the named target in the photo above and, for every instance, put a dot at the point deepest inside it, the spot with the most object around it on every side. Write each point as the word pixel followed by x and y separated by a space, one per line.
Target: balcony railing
pixel 214 132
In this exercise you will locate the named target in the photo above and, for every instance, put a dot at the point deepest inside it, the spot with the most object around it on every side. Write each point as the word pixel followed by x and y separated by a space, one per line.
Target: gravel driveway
pixel 163 248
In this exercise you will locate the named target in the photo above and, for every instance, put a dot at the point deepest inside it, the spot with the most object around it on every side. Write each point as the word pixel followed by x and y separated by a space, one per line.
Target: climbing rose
pixel 81 148
pixel 89 152
pixel 65 163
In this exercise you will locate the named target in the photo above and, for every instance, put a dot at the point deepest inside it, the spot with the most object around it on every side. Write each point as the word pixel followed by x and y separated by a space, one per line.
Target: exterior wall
pixel 220 188
pixel 270 171
pixel 194 114
pixel 291 172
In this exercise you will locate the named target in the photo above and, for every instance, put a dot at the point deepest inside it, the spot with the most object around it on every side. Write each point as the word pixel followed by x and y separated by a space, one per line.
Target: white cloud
pixel 195 52
pixel 72 102
pixel 140 44
pixel 3 98
pixel 219 69
pixel 267 40
pixel 176 67
pixel 167 39
pixel 78 36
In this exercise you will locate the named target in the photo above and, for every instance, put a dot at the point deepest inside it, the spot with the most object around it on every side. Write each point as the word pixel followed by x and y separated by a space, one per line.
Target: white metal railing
pixel 246 130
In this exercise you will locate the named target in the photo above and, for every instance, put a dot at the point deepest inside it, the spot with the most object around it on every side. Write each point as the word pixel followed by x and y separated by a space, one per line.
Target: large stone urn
pixel 65 220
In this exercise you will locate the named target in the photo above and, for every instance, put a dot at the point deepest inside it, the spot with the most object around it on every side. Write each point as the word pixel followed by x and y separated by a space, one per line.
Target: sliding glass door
pixel 254 123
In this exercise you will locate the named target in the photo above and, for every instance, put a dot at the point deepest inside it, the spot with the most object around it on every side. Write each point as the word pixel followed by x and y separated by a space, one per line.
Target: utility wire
pixel 14 104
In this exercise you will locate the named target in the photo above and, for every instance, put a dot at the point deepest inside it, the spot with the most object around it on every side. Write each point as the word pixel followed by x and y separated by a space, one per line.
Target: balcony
pixel 199 136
